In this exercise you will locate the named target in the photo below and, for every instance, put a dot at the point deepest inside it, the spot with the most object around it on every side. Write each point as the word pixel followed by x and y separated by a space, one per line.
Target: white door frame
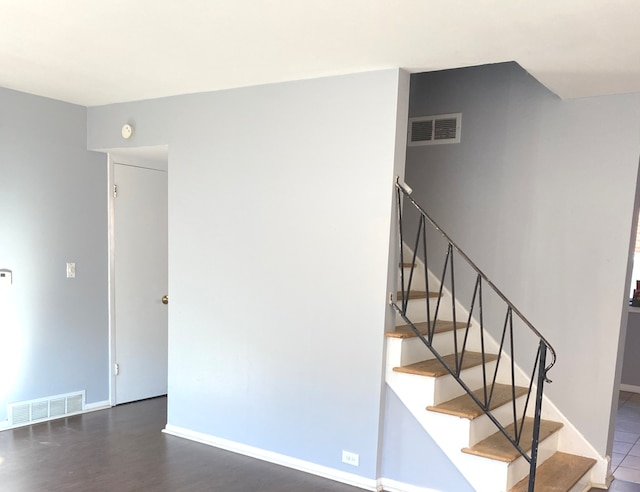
pixel 112 284
pixel 142 157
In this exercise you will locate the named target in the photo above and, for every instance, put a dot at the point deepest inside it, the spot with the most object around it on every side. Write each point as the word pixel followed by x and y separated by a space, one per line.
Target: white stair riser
pixel 418 391
pixel 482 427
pixel 441 389
pixel 417 310
pixel 394 353
pixel 519 468
pixel 473 338
pixel 504 374
pixel 417 281
pixel 454 430
pixel 414 349
pixel 447 388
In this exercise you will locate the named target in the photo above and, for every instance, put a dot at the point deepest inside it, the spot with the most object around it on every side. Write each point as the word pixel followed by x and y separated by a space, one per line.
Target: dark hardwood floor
pixel 123 449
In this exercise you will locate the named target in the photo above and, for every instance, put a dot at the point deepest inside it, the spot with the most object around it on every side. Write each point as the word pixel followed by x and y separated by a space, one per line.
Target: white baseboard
pixel 271 457
pixel 630 387
pixel 389 485
pixel 98 405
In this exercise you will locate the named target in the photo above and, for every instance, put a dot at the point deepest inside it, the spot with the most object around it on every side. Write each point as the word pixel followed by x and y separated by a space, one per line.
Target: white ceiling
pixel 94 52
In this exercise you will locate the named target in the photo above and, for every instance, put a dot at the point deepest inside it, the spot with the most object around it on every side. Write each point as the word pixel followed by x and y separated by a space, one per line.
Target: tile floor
pixel 625 459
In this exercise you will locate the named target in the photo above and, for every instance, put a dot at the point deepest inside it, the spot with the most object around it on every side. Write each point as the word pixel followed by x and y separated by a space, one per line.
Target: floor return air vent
pixel 51 407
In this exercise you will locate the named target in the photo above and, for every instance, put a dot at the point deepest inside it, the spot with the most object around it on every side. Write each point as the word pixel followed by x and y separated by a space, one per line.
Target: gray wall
pixel 410 455
pixel 540 193
pixel 279 222
pixel 631 363
pixel 53 330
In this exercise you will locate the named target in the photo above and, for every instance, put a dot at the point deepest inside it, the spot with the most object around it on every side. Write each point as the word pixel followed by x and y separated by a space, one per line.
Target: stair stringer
pixel 569 439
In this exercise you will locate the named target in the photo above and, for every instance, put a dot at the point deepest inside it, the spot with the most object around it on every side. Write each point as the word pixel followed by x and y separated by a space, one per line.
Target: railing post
pixel 538 412
pixel 401 240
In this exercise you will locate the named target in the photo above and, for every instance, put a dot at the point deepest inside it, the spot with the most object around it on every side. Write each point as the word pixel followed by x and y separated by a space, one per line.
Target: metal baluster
pixel 537 416
pixel 444 273
pixel 495 374
pixel 413 265
pixel 399 206
pixel 482 351
pixel 513 380
pixel 453 311
pixel 533 374
pixel 431 326
pixel 466 331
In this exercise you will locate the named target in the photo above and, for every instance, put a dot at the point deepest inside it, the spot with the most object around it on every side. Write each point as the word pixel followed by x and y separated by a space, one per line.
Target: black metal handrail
pixel 460 349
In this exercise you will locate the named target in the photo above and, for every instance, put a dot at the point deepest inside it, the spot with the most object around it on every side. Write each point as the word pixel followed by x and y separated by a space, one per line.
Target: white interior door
pixel 140 276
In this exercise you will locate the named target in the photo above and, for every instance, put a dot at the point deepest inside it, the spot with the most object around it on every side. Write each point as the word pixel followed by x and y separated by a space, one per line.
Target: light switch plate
pixel 71 270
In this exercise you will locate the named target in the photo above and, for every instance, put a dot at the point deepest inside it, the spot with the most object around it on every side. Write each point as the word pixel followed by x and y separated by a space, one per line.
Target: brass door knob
pixel 165 299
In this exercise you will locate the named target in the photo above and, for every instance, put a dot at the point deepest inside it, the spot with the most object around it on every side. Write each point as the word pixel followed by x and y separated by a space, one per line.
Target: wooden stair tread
pixel 498 447
pixel 417 294
pixel 406 264
pixel 463 406
pixel 405 331
pixel 433 367
pixel 557 474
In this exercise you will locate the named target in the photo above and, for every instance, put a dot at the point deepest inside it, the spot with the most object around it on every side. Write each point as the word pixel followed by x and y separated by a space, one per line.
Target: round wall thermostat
pixel 127 131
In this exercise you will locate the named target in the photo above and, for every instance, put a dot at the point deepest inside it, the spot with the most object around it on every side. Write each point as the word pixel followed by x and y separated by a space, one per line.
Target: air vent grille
pixel 75 403
pixel 40 410
pixel 431 130
pixel 27 412
pixel 421 131
pixel 57 407
pixel 21 414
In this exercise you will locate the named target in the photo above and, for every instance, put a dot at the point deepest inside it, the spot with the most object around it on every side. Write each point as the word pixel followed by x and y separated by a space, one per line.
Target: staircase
pixel 462 380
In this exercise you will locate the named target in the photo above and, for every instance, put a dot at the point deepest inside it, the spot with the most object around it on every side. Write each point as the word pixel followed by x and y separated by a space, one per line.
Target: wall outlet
pixel 5 277
pixel 350 458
